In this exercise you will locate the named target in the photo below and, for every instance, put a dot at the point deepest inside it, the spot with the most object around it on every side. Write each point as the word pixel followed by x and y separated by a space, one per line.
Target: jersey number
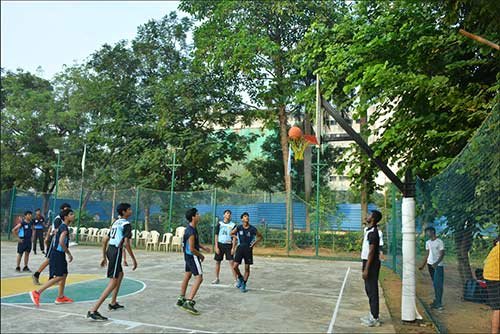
pixel 113 232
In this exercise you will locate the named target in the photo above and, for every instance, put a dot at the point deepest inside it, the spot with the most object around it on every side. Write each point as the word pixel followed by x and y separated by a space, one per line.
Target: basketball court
pixel 285 295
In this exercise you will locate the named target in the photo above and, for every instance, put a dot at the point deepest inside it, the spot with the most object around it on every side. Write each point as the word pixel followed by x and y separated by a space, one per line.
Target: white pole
pixel 408 297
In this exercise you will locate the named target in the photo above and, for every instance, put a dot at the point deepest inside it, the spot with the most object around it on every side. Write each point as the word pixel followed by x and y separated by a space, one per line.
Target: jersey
pixel 190 230
pixel 56 245
pixel 246 236
pixel 25 230
pixel 56 223
pixel 223 232
pixel 39 223
pixel 120 230
pixel 372 237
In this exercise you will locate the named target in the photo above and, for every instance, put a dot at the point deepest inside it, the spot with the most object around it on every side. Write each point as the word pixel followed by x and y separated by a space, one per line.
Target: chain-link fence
pixel 462 204
pixel 306 232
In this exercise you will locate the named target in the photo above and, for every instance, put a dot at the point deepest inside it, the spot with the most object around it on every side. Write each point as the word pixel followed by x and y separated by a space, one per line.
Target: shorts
pixel 24 246
pixel 244 253
pixel 58 266
pixel 193 265
pixel 225 250
pixel 493 288
pixel 114 255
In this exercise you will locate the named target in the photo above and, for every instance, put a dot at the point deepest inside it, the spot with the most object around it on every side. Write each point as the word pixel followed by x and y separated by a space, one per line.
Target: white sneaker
pixel 366 319
pixel 373 323
pixel 216 281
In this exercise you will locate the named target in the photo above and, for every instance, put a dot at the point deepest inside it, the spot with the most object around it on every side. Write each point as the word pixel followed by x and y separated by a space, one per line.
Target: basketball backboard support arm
pixel 363 145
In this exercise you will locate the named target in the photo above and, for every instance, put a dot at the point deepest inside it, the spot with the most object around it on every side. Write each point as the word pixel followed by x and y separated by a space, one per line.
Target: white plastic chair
pixel 93 234
pixel 179 232
pixel 153 240
pixel 83 233
pixel 166 240
pixel 143 236
pixel 101 234
pixel 177 243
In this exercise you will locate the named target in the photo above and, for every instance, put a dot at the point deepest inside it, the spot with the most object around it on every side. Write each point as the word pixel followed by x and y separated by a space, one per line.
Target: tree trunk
pixel 364 184
pixel 146 217
pixel 288 182
pixel 307 171
pixel 86 200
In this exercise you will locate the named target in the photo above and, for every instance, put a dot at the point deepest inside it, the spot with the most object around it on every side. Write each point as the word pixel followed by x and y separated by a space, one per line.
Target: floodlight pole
pixel 58 153
pixel 409 311
pixel 173 166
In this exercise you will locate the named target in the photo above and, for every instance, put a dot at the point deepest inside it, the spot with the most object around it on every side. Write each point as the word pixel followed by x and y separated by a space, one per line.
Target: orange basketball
pixel 295 132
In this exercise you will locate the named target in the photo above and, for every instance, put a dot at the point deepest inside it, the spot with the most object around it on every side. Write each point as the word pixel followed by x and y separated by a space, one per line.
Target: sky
pixel 50 34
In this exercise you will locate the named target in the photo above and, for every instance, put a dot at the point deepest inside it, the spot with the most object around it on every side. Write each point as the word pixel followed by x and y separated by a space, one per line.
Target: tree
pixel 429 86
pixel 253 42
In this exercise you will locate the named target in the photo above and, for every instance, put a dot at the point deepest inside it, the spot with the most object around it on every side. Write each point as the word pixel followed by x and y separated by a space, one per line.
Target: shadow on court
pixel 285 295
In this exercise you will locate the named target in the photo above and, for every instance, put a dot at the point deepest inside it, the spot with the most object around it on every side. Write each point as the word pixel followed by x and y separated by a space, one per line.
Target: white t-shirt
pixel 434 247
pixel 365 250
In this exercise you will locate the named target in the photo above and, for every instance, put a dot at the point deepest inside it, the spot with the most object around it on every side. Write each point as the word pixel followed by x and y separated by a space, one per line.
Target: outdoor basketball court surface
pixel 285 295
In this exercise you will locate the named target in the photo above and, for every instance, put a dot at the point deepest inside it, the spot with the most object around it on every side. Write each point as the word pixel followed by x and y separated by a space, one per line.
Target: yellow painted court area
pixel 16 285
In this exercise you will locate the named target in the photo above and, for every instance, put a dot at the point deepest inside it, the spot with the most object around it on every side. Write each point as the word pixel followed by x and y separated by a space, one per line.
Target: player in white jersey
pixel 119 236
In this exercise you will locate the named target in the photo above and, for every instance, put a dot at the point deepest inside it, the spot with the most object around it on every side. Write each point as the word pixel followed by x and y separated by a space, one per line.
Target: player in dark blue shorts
pixel 248 236
pixel 58 265
pixel 118 237
pixel 193 258
pixel 24 231
pixel 49 238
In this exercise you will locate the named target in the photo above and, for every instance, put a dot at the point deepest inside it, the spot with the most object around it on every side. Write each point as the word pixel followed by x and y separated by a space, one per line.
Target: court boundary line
pixel 82 301
pixel 339 299
pixel 132 324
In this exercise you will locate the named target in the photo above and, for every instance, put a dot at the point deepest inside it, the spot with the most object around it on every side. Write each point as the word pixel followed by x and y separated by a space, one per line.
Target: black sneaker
pixel 26 269
pixel 96 316
pixel 188 306
pixel 36 280
pixel 18 269
pixel 180 301
pixel 115 307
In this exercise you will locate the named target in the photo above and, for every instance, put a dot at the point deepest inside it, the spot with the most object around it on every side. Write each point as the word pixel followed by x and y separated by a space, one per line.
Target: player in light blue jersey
pixel 224 245
pixel 119 236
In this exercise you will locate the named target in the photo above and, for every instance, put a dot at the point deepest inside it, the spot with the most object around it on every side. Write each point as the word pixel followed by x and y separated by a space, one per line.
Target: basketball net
pixel 300 144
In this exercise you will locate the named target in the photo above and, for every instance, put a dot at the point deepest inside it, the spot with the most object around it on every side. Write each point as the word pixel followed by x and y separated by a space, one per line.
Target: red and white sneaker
pixel 63 300
pixel 35 297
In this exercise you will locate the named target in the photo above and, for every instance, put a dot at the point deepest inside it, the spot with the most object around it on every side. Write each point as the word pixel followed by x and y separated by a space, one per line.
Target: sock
pixel 245 281
pixel 36 274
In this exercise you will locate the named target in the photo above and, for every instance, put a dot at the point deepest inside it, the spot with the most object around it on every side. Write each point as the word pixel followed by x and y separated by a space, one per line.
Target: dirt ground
pixel 458 316
pixel 391 283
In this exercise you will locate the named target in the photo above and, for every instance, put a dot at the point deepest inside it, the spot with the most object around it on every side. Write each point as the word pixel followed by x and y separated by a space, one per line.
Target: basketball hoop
pixel 299 142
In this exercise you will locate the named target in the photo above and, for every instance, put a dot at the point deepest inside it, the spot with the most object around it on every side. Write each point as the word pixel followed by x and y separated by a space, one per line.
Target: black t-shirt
pixel 374 239
pixel 62 228
pixel 246 235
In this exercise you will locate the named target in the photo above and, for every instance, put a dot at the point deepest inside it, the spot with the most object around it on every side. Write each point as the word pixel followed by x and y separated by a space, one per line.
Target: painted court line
pixel 84 301
pixel 131 324
pixel 337 306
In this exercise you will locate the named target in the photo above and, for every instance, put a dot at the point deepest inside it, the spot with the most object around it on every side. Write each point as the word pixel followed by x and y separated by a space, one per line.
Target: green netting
pixel 463 204
pixel 302 233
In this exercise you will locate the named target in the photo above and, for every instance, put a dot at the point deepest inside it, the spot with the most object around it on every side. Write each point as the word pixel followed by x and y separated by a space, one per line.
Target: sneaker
pixel 96 316
pixel 188 306
pixel 26 269
pixel 180 301
pixel 243 287
pixel 239 283
pixel 18 269
pixel 36 280
pixel 115 307
pixel 63 300
pixel 35 297
pixel 216 281
pixel 437 307
pixel 366 319
pixel 373 323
